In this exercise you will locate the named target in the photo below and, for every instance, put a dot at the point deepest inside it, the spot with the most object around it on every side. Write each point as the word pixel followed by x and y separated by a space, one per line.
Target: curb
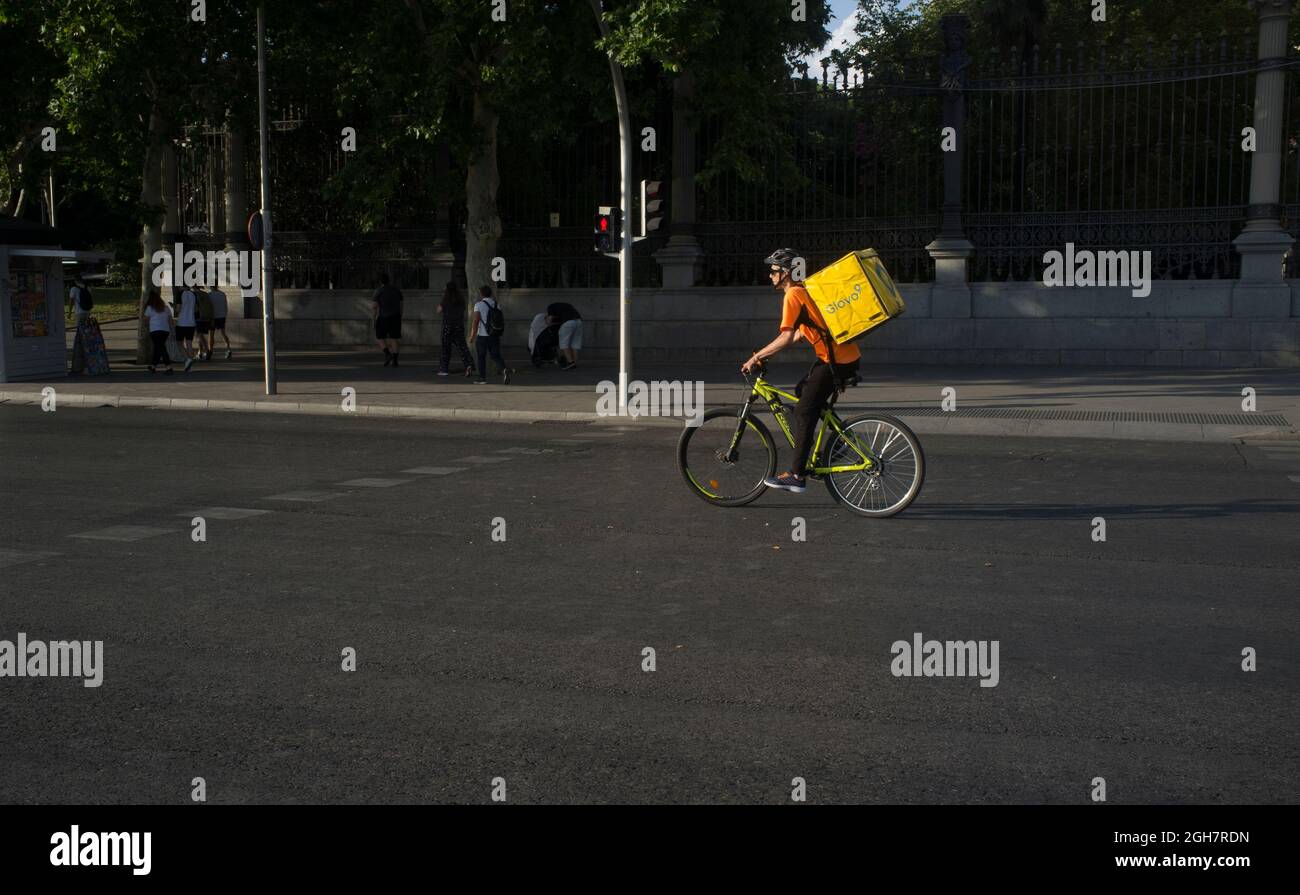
pixel 922 425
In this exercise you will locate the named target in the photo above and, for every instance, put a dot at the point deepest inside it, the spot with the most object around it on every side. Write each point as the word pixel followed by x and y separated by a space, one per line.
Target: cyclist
pixel 800 320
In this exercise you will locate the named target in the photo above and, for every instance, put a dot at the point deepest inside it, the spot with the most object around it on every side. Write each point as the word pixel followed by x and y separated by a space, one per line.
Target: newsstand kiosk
pixel 33 344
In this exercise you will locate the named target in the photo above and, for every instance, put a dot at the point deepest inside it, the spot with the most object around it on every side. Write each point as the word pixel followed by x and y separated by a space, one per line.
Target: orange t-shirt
pixel 797 297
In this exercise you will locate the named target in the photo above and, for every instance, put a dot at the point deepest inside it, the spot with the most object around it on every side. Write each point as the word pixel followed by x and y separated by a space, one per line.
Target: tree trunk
pixel 151 230
pixel 483 227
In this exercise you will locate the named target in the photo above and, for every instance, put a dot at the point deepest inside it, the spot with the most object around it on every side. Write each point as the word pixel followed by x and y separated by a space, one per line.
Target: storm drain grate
pixel 1093 416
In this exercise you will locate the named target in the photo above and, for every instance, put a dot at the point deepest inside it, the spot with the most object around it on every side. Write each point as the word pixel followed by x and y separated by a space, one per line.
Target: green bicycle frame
pixel 829 420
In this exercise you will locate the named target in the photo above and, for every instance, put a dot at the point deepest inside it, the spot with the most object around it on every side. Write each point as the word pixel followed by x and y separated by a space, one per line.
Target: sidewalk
pixel 1142 403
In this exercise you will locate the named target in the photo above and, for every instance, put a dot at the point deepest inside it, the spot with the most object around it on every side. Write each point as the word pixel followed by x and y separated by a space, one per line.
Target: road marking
pixel 435 470
pixel 15 557
pixel 481 459
pixel 373 483
pixel 525 450
pixel 568 441
pixel 124 533
pixel 224 513
pixel 306 496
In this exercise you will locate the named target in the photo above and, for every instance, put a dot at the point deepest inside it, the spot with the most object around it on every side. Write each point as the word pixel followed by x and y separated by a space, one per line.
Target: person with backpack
pixel 452 309
pixel 487 326
pixel 802 321
pixel 219 310
pixel 81 300
pixel 203 316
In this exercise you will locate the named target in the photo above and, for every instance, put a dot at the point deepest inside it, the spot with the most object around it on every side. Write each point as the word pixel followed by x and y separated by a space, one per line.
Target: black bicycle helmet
pixel 782 258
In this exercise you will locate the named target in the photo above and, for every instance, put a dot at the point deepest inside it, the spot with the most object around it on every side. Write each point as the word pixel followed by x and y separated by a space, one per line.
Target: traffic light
pixel 652 206
pixel 608 229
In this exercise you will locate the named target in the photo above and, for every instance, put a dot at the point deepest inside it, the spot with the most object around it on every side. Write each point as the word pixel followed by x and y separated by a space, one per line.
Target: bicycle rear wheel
pixel 894 483
pixel 723 477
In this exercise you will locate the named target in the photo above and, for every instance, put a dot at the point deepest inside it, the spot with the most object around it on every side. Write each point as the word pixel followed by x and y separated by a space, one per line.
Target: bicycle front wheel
pixel 896 478
pixel 718 472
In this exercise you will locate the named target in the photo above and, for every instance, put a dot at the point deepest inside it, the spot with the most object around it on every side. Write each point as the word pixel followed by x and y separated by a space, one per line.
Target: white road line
pixel 306 496
pixel 435 470
pixel 15 557
pixel 124 533
pixel 373 483
pixel 224 513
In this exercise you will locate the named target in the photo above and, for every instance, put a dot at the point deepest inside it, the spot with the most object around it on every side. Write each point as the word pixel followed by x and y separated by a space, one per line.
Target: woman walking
pixel 453 329
pixel 160 328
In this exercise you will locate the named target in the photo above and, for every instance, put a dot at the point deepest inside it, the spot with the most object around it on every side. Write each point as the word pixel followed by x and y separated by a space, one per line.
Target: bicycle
pixel 874 462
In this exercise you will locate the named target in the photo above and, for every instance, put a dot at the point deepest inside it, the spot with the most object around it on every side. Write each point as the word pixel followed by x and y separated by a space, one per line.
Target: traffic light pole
pixel 625 235
pixel 268 289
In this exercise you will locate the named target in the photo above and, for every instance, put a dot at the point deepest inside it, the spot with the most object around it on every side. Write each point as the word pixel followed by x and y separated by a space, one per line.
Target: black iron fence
pixel 1107 146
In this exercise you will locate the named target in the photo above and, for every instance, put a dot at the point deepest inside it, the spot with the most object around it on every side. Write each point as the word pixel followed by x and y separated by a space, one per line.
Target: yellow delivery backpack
pixel 854 295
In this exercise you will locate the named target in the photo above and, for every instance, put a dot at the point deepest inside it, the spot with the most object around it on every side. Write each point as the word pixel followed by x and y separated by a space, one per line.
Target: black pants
pixel 489 345
pixel 159 340
pixel 814 391
pixel 453 336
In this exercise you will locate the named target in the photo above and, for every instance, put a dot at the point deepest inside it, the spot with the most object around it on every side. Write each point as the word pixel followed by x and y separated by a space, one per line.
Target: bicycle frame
pixel 771 395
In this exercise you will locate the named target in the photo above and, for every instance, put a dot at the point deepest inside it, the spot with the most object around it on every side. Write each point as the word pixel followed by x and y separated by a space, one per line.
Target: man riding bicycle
pixel 800 320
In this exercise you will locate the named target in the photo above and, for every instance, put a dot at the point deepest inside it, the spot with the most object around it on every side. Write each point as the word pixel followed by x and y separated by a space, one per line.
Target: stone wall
pixel 1182 323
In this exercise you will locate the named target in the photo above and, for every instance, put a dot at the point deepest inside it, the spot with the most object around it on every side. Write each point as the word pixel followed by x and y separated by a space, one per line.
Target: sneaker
pixel 443 373
pixel 189 362
pixel 228 354
pixel 480 382
pixel 469 371
pixel 506 374
pixel 787 481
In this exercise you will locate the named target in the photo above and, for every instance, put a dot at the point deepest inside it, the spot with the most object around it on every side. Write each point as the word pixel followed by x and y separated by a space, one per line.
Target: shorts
pixel 388 327
pixel 571 334
pixel 184 333
pixel 204 327
pixel 219 323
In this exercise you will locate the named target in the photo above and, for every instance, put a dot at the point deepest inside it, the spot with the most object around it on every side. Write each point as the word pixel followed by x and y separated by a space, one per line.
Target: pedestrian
pixel 160 327
pixel 80 299
pixel 203 321
pixel 219 308
pixel 486 327
pixel 452 309
pixel 570 321
pixel 386 309
pixel 186 323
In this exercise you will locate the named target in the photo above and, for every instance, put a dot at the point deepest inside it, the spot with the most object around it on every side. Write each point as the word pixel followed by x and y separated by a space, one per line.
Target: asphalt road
pixel 522 659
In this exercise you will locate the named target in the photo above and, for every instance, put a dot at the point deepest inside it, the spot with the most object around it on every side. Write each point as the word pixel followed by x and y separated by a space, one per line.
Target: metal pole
pixel 268 303
pixel 53 222
pixel 625 237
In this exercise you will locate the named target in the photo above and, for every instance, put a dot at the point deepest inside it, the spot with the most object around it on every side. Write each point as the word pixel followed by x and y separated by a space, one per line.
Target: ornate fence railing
pixel 1109 147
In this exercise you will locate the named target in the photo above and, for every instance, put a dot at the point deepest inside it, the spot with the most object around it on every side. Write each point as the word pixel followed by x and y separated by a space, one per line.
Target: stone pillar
pixel 236 205
pixel 172 232
pixel 950 296
pixel 681 259
pixel 1263 243
pixel 440 259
